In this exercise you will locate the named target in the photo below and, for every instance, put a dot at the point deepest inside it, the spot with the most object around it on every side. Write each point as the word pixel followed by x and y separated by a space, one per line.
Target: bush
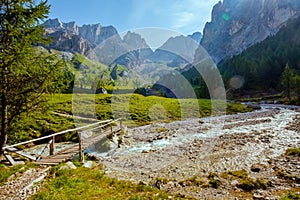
pixel 291 196
pixel 293 152
pixel 246 183
pixel 214 180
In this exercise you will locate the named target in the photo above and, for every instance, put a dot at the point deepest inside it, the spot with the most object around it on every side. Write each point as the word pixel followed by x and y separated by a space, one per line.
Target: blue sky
pixel 184 16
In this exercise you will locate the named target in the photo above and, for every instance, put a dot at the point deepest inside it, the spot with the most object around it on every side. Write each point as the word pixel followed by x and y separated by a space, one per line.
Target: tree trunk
pixel 4 124
pixel 4 113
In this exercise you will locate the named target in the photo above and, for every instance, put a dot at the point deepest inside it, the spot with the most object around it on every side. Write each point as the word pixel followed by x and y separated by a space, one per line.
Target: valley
pixel 204 114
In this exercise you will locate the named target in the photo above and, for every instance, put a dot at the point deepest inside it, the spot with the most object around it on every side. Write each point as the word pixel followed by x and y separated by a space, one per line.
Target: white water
pixel 186 135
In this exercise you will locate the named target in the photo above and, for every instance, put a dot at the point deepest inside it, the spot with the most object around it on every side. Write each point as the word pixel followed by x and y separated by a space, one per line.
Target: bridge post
pixel 81 154
pixel 52 146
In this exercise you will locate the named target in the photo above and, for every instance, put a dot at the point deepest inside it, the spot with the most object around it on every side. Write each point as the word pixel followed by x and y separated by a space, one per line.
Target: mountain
pixel 65 37
pixel 177 51
pixel 136 43
pixel 128 59
pixel 83 40
pixel 236 25
pixel 261 65
pixel 97 42
pixel 96 34
pixel 130 52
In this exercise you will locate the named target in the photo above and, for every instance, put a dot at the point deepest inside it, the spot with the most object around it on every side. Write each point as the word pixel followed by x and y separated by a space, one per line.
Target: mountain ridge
pixel 104 44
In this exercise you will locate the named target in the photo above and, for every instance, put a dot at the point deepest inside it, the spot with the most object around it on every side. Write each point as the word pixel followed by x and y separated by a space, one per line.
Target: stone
pixel 89 164
pixel 257 196
pixel 64 168
pixel 71 165
pixel 234 182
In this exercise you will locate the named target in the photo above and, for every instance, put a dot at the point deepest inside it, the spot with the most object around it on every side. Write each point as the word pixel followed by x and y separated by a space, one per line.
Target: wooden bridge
pixel 98 131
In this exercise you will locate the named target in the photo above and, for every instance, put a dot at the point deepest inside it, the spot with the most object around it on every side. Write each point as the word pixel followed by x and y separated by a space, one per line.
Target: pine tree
pixel 286 80
pixel 26 71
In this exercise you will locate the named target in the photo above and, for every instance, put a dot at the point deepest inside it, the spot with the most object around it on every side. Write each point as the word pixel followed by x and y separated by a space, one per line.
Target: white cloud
pixel 191 14
pixel 183 18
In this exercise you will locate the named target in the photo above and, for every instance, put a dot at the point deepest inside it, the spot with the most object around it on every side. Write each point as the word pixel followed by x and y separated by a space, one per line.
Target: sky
pixel 183 16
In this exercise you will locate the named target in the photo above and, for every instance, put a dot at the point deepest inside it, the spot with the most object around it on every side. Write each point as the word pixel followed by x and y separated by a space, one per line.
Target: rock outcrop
pixel 72 38
pixel 177 51
pixel 96 34
pixel 236 25
pixel 65 41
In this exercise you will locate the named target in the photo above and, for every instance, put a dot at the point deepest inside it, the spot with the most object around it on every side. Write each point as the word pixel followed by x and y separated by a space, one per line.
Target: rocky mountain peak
pixel 72 27
pixel 53 25
pixel 96 33
pixel 197 36
pixel 177 51
pixel 135 41
pixel 236 25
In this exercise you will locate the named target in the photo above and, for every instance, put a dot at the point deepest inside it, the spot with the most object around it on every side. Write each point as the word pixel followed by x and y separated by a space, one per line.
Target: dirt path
pixel 22 186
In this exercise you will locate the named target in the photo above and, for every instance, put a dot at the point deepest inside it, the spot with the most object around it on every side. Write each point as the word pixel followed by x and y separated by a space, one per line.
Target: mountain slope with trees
pixel 262 65
pixel 237 25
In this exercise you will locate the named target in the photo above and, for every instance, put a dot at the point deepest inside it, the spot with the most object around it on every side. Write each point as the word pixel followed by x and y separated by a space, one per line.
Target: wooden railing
pixel 51 144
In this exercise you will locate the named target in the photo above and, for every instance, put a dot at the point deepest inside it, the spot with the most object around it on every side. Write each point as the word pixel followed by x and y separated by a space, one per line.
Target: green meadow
pixel 134 109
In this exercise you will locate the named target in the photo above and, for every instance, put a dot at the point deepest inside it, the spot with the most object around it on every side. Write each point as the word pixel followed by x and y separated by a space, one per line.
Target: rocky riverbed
pixel 22 186
pixel 168 155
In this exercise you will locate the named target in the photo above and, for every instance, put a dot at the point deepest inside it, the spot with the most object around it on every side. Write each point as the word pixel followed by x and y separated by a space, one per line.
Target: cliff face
pixel 70 37
pixel 64 41
pixel 236 25
pixel 96 34
pixel 102 43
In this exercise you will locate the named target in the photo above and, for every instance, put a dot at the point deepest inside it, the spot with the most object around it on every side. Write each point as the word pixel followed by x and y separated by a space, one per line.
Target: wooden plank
pixel 17 151
pixel 9 158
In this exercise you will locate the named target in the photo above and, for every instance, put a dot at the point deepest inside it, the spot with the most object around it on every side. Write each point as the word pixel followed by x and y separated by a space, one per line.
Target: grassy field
pixel 84 183
pixel 136 110
pixel 142 110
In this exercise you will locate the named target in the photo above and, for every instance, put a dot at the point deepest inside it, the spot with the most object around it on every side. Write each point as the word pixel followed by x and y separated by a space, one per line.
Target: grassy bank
pixel 7 171
pixel 84 183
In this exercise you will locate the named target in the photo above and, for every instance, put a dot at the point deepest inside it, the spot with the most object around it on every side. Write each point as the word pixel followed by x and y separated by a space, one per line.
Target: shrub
pixel 214 180
pixel 290 196
pixel 293 152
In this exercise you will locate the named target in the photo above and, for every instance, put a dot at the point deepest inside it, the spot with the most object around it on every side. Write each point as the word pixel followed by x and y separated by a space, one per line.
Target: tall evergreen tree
pixel 26 72
pixel 286 80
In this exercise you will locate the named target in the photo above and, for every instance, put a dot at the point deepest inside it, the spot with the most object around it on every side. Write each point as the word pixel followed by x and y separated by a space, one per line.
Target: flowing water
pixel 181 136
